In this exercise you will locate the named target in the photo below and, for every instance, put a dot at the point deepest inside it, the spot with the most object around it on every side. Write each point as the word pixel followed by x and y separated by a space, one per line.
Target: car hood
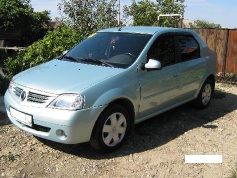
pixel 59 76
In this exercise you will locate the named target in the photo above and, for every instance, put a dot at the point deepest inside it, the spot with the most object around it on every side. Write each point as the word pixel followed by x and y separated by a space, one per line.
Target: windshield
pixel 108 49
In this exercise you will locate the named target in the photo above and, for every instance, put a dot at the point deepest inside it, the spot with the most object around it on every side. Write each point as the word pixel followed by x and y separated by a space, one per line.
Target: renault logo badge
pixel 23 95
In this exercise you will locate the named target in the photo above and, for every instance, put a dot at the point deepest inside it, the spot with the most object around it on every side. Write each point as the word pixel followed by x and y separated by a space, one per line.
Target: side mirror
pixel 153 65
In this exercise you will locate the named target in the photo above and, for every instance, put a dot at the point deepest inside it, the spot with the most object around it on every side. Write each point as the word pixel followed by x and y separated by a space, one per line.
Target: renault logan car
pixel 110 81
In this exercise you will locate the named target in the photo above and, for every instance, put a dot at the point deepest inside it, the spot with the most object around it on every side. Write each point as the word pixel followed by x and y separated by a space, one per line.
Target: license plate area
pixel 21 117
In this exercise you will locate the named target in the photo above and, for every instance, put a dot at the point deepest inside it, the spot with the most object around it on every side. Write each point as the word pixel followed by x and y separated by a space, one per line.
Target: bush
pixel 51 46
pixel 4 54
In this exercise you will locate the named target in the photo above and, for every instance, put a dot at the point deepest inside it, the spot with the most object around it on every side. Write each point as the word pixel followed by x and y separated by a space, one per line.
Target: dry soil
pixel 156 149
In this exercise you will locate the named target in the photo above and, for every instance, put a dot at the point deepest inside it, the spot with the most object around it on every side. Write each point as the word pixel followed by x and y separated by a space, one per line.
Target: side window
pixel 189 48
pixel 163 50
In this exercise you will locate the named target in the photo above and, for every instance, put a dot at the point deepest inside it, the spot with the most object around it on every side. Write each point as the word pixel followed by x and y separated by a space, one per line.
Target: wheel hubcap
pixel 114 129
pixel 206 94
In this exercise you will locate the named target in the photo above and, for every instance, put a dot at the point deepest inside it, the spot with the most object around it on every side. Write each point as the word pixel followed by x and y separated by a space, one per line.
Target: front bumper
pixel 63 126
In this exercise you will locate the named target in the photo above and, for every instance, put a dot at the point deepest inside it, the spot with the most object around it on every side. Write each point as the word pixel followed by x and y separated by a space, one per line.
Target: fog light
pixel 61 134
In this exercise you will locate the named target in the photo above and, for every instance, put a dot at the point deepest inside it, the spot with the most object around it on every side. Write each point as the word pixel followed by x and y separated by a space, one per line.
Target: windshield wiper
pixel 71 58
pixel 102 62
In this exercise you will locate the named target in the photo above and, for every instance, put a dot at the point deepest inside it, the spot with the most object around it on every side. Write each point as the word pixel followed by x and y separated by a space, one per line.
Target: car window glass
pixel 119 49
pixel 189 48
pixel 163 50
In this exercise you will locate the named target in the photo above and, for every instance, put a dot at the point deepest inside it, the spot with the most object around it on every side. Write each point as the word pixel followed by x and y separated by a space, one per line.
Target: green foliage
pixel 171 7
pixel 4 81
pixel 4 54
pixel 51 46
pixel 88 16
pixel 145 12
pixel 11 13
pixel 202 24
pixel 18 16
pixel 38 26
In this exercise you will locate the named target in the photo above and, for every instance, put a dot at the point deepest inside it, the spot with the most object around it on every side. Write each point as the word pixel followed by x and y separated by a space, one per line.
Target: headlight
pixel 68 101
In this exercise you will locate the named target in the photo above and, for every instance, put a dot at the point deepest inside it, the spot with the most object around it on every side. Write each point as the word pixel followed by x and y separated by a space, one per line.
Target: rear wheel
pixel 111 129
pixel 205 94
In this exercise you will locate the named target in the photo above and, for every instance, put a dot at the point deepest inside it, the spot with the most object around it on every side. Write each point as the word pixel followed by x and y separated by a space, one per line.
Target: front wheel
pixel 205 95
pixel 111 129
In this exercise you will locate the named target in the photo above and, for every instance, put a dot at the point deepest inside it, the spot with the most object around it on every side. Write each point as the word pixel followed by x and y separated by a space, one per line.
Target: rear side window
pixel 189 47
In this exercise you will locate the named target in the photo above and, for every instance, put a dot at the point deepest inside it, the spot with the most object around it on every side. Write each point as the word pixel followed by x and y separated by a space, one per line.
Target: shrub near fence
pixel 224 42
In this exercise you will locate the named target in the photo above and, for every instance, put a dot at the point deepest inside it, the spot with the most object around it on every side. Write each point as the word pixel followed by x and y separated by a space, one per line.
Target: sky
pixel 223 12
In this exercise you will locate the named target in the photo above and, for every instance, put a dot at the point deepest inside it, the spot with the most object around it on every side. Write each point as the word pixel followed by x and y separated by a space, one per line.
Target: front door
pixel 160 88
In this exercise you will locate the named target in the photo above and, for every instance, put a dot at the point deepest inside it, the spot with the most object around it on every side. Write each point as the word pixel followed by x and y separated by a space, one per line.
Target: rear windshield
pixel 117 49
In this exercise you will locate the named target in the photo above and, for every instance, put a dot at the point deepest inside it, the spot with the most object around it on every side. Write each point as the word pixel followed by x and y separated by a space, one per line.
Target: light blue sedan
pixel 110 81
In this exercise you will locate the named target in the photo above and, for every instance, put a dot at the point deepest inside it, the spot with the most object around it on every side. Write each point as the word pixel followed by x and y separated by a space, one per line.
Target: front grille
pixel 17 91
pixel 38 128
pixel 41 128
pixel 31 96
pixel 37 98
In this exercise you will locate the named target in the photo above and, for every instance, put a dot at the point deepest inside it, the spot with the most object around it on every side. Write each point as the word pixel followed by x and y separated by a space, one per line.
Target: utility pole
pixel 118 12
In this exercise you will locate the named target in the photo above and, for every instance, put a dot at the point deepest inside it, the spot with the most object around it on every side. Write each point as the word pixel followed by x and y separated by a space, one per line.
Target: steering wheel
pixel 130 54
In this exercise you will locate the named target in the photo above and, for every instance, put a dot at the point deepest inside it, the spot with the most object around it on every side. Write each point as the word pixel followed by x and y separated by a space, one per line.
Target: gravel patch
pixel 156 149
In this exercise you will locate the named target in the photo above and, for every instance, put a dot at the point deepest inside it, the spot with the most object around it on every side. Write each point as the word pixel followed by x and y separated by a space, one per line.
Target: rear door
pixel 191 67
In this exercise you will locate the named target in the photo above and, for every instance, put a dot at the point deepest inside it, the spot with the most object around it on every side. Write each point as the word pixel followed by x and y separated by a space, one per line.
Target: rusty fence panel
pixel 224 43
pixel 231 60
pixel 211 39
pixel 221 49
pixel 217 40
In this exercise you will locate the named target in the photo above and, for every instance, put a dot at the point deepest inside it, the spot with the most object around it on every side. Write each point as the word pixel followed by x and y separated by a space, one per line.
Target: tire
pixel 205 94
pixel 111 129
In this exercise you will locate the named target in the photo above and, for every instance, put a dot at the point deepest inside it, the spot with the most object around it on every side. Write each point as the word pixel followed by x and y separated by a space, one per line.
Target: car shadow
pixel 4 119
pixel 160 129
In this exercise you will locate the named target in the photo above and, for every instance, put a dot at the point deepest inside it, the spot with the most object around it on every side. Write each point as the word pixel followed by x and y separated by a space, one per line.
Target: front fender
pixel 110 96
pixel 115 94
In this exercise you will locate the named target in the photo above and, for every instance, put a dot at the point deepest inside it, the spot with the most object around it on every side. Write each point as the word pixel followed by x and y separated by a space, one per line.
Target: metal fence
pixel 13 48
pixel 224 42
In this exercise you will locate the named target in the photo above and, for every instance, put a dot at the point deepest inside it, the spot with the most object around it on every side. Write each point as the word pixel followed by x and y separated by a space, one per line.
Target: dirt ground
pixel 156 149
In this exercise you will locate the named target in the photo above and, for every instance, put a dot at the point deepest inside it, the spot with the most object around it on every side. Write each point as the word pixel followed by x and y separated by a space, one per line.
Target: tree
pixel 202 24
pixel 171 7
pixel 39 26
pixel 51 46
pixel 145 12
pixel 87 16
pixel 19 16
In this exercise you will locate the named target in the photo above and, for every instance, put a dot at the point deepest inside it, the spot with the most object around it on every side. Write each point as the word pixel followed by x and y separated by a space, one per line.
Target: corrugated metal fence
pixel 224 42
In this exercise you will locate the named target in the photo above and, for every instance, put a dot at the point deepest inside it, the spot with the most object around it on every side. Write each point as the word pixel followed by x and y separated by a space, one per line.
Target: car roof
pixel 143 29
